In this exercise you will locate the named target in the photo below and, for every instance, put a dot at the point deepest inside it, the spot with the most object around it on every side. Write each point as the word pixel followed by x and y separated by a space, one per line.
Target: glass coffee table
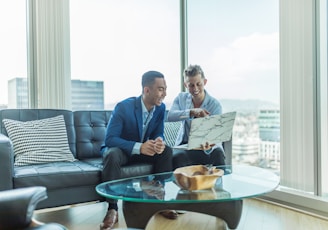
pixel 143 196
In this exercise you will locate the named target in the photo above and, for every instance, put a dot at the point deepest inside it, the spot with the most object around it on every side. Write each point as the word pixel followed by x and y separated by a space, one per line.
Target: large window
pixel 115 42
pixel 238 48
pixel 275 78
pixel 13 71
pixel 239 53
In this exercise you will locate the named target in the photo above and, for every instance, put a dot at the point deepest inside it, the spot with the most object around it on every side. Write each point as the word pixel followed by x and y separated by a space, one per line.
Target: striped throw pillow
pixel 39 141
pixel 171 130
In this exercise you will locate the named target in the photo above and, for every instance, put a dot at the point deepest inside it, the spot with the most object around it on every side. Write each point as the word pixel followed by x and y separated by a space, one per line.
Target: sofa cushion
pixel 57 175
pixel 39 141
pixel 90 128
pixel 136 169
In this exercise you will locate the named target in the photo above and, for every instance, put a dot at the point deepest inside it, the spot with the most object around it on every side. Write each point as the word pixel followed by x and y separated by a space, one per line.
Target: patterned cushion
pixel 171 131
pixel 39 141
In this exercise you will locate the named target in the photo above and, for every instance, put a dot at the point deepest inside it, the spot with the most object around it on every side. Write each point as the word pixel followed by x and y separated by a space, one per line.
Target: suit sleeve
pixel 122 130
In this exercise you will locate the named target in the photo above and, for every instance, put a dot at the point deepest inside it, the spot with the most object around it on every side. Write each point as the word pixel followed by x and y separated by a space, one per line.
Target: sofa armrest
pixel 7 163
pixel 17 206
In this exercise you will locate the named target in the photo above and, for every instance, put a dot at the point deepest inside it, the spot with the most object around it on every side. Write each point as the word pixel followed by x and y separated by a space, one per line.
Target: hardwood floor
pixel 257 215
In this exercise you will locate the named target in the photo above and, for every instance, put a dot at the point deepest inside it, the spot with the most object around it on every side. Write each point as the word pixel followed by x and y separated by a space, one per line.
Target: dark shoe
pixel 110 220
pixel 169 214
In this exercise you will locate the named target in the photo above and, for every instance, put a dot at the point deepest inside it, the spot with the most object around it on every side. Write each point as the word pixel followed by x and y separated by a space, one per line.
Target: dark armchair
pixel 17 207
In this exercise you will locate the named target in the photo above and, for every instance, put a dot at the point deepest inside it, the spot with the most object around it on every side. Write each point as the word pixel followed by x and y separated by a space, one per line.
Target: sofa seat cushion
pixel 126 170
pixel 95 162
pixel 136 170
pixel 57 175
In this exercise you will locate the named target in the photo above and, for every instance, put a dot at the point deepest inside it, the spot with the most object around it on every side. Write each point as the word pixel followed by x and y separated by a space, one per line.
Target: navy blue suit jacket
pixel 125 125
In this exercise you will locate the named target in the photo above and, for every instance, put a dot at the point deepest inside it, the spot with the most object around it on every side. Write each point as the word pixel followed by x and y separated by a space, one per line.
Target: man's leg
pixel 217 157
pixel 113 158
pixel 180 158
pixel 163 161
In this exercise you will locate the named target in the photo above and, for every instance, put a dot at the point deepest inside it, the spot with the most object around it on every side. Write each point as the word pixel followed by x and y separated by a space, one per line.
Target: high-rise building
pixel 269 129
pixel 86 95
pixel 269 125
pixel 245 150
pixel 17 93
pixel 245 139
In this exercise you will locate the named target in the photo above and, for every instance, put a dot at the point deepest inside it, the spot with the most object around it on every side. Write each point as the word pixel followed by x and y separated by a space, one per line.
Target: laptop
pixel 212 129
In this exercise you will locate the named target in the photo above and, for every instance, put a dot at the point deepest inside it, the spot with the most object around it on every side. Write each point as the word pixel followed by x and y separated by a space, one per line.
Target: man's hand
pixel 152 147
pixel 159 145
pixel 148 148
pixel 207 146
pixel 199 112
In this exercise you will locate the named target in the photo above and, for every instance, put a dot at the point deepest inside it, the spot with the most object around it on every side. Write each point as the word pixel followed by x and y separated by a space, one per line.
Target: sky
pixel 116 41
pixel 12 44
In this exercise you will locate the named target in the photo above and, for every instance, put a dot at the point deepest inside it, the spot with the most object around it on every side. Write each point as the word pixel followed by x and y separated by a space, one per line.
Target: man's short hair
pixel 193 70
pixel 148 78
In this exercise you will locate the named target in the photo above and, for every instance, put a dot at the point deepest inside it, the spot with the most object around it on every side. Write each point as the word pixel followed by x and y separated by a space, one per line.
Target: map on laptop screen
pixel 212 129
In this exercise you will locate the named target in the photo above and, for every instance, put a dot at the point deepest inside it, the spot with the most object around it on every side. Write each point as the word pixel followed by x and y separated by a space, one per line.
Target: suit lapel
pixel 138 115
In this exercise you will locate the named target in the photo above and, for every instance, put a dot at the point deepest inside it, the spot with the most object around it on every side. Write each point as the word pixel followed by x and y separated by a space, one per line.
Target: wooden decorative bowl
pixel 197 177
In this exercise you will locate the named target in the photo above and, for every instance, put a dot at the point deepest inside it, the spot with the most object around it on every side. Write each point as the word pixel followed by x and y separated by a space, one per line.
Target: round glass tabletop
pixel 238 182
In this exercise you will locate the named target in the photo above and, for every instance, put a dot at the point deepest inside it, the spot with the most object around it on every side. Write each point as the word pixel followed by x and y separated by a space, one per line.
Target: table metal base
pixel 138 214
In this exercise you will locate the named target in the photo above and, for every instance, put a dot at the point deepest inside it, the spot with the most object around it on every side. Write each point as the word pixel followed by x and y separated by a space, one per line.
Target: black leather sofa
pixel 69 182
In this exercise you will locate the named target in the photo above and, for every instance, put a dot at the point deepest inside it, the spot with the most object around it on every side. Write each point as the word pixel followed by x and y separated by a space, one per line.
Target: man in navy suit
pixel 135 134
